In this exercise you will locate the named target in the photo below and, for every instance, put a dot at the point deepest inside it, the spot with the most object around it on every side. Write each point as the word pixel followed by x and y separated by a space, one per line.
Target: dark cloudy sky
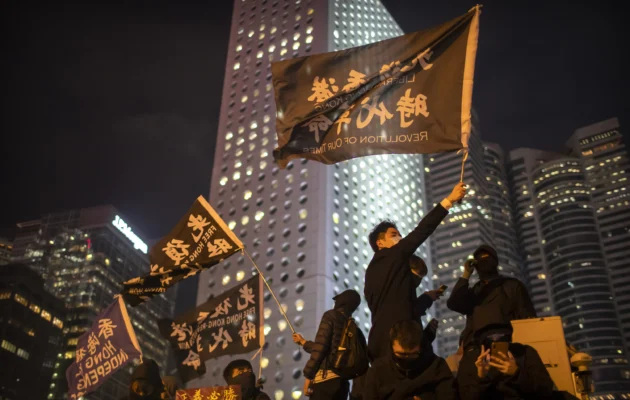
pixel 115 104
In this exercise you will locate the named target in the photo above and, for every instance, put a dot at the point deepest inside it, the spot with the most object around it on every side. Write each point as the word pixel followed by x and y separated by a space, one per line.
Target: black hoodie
pixel 150 372
pixel 432 381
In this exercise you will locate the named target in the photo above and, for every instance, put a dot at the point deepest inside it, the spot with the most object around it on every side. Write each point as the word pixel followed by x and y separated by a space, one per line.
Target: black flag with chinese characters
pixel 407 95
pixel 199 240
pixel 229 324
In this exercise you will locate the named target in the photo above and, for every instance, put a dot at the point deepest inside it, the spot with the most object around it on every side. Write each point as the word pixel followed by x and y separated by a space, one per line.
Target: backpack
pixel 350 360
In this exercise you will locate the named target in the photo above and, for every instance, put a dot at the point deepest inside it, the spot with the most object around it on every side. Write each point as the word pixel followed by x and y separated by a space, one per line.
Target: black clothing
pixel 148 371
pixel 531 382
pixel 347 301
pixel 496 302
pixel 326 341
pixel 420 306
pixel 389 285
pixel 333 389
pixel 433 380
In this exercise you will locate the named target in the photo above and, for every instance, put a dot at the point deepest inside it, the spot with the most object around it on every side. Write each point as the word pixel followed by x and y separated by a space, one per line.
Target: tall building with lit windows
pixel 83 257
pixel 306 226
pixel 566 262
pixel 606 164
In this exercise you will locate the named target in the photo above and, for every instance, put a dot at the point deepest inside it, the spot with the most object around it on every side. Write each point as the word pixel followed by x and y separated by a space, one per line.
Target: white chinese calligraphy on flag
pixel 107 347
pixel 231 323
pixel 410 94
pixel 199 240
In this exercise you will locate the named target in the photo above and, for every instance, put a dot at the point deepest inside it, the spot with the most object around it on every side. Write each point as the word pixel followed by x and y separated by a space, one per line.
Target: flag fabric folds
pixel 199 240
pixel 103 350
pixel 229 324
pixel 410 94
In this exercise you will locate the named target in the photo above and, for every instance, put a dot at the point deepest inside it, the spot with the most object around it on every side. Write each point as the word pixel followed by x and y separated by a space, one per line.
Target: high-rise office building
pixel 500 201
pixel 84 256
pixel 306 226
pixel 6 246
pixel 606 164
pixel 566 247
pixel 31 336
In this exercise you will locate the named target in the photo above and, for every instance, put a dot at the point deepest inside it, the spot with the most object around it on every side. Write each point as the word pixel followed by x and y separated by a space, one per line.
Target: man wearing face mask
pixel 146 383
pixel 240 372
pixel 322 383
pixel 495 299
pixel 390 289
pixel 518 374
pixel 411 372
pixel 423 302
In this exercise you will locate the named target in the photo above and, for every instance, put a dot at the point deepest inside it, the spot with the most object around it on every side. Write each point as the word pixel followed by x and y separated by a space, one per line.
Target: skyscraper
pixel 306 226
pixel 604 157
pixel 572 218
pixel 84 256
pixel 31 336
pixel 6 247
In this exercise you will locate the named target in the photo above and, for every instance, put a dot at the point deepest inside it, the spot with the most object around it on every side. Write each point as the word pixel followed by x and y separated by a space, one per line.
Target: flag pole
pixel 270 290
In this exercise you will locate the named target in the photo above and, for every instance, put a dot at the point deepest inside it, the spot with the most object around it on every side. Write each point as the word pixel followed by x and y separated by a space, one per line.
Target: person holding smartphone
pixel 504 370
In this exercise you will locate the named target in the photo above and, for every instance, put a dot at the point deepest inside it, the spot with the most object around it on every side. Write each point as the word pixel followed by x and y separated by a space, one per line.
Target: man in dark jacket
pixel 412 371
pixel 390 289
pixel 321 382
pixel 493 300
pixel 240 372
pixel 518 375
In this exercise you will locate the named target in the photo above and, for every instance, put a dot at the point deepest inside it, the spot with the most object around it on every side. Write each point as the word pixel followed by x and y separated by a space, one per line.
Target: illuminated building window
pixel 69 355
pixel 225 280
pixel 23 353
pixel 237 66
pixel 8 346
pixel 57 322
pixel 21 300
pixel 35 308
pixel 5 295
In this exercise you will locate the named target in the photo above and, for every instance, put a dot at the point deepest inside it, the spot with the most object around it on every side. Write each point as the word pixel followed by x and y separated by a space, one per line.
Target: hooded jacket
pixel 531 382
pixel 150 372
pixel 389 285
pixel 433 380
pixel 330 332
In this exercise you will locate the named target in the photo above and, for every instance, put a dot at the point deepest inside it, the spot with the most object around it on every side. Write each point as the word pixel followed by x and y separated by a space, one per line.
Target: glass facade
pixel 604 157
pixel 306 226
pixel 84 259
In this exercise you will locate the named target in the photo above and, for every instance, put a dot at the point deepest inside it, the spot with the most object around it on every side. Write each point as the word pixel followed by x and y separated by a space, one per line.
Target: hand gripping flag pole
pixel 270 290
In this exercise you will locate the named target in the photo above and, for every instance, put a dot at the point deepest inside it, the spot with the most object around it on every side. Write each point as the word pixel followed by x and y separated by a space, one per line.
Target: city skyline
pixel 142 76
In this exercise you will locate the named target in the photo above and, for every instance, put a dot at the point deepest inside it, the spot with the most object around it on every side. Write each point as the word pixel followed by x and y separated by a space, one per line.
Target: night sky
pixel 110 104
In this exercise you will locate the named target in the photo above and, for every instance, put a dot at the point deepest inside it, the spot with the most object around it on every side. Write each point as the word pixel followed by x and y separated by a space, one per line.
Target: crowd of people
pixel 402 363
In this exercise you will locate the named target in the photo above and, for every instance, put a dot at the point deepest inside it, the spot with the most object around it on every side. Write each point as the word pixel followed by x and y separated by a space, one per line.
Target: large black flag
pixel 199 240
pixel 410 94
pixel 229 324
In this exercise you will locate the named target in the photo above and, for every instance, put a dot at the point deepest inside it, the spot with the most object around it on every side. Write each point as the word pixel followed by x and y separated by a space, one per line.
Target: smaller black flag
pixel 199 240
pixel 229 324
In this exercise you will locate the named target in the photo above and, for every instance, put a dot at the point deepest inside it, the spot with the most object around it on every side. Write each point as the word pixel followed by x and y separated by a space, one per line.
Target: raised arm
pixel 430 222
pixel 461 299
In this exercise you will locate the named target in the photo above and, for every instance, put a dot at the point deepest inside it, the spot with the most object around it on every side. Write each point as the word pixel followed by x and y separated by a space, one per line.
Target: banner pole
pixel 464 158
pixel 270 290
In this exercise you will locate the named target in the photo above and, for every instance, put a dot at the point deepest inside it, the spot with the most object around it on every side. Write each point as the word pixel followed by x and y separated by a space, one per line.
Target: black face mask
pixel 247 380
pixel 408 365
pixel 486 267
pixel 417 280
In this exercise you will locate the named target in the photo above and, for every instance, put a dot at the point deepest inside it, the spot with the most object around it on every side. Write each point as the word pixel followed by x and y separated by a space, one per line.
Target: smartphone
pixel 499 347
pixel 442 288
